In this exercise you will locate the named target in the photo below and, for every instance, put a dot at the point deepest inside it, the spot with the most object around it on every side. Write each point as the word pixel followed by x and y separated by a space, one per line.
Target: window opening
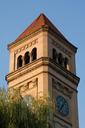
pixel 66 62
pixel 60 59
pixel 19 61
pixel 34 54
pixel 54 54
pixel 26 58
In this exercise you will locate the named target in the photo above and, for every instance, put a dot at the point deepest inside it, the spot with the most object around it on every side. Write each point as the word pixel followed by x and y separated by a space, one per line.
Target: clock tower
pixel 42 62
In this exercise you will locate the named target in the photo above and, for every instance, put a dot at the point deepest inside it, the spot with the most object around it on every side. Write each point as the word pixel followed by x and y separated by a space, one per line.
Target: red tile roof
pixel 40 22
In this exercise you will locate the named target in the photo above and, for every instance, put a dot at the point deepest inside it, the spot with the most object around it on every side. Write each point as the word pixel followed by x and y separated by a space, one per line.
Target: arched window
pixel 34 54
pixel 54 54
pixel 65 62
pixel 60 59
pixel 26 58
pixel 19 61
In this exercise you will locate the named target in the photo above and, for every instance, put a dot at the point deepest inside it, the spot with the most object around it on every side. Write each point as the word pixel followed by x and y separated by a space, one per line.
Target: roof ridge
pixel 33 24
pixel 40 21
pixel 37 24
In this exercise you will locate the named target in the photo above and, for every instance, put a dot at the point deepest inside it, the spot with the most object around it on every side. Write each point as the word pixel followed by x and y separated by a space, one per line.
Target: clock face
pixel 62 106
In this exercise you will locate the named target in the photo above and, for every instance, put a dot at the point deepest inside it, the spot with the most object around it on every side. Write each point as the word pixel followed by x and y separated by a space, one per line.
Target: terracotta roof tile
pixel 41 20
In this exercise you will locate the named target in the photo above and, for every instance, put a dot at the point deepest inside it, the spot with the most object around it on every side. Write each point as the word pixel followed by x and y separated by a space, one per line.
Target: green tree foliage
pixel 15 112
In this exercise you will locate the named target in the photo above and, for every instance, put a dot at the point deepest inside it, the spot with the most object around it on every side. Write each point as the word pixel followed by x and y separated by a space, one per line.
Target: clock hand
pixel 62 107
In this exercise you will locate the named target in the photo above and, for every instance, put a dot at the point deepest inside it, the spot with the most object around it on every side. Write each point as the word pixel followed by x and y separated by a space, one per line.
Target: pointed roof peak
pixel 42 15
pixel 42 22
pixel 38 23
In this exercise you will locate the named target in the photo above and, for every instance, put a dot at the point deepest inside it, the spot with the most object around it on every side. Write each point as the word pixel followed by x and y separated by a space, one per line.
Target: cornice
pixel 16 43
pixel 49 30
pixel 63 40
pixel 60 47
pixel 25 69
pixel 67 74
pixel 24 47
pixel 43 61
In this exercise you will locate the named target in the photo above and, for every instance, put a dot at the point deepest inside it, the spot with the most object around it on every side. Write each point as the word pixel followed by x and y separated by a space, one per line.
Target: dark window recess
pixel 19 61
pixel 60 59
pixel 65 62
pixel 54 54
pixel 26 58
pixel 34 54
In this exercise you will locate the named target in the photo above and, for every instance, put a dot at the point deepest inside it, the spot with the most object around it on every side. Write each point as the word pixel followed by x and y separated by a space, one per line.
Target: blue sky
pixel 68 16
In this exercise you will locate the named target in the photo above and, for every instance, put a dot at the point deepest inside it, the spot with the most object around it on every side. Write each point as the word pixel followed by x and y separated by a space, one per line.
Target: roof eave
pixel 74 48
pixel 45 28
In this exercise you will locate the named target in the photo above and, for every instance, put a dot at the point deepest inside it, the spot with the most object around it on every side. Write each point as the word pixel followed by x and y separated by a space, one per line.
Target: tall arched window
pixel 34 54
pixel 66 62
pixel 54 54
pixel 60 59
pixel 26 58
pixel 19 61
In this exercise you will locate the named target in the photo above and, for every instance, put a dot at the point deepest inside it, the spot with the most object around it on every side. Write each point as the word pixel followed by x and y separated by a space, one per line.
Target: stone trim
pixel 43 61
pixel 14 44
pixel 61 48
pixel 23 88
pixel 44 29
pixel 26 46
pixel 60 81
pixel 66 122
pixel 26 87
pixel 62 88
pixel 63 40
